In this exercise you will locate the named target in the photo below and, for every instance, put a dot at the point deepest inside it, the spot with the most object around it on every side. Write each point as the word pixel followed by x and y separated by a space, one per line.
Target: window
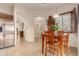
pixel 66 22
pixel 59 21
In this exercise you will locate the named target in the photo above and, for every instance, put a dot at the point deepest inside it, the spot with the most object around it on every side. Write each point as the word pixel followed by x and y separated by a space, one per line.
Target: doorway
pixel 40 25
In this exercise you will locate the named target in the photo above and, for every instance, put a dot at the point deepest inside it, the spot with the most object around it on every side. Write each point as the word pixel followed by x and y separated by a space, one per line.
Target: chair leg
pixel 46 50
pixel 68 51
pixel 49 47
pixel 58 51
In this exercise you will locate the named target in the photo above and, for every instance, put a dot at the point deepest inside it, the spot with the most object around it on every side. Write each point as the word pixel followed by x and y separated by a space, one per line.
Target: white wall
pixel 22 15
pixel 49 12
pixel 73 40
pixel 6 8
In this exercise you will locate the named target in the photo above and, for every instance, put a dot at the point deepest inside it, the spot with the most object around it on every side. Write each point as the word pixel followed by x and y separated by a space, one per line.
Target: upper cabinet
pixel 6 16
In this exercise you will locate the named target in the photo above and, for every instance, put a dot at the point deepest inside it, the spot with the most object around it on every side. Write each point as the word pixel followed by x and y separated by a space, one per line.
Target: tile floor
pixel 28 49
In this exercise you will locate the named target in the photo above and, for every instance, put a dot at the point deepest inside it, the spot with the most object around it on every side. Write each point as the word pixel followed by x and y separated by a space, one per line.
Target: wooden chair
pixel 67 40
pixel 66 44
pixel 50 44
pixel 60 42
pixel 43 39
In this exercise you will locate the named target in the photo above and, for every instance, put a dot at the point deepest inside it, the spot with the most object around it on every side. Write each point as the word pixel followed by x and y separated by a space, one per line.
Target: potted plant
pixel 54 27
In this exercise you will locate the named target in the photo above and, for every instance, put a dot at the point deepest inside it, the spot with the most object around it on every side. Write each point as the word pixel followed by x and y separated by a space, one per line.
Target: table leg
pixel 62 50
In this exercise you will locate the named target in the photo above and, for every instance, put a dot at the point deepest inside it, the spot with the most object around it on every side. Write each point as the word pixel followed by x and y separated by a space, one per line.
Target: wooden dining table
pixel 43 44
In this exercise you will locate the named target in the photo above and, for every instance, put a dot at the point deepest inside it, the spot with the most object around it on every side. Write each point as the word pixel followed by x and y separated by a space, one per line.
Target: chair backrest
pixel 50 37
pixel 60 37
pixel 67 40
pixel 48 31
pixel 60 33
pixel 67 37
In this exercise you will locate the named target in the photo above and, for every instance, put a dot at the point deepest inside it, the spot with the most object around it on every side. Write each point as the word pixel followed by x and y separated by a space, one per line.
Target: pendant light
pixel 56 15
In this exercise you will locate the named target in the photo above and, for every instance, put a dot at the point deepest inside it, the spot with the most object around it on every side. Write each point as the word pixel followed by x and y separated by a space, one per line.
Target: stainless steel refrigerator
pixel 7 33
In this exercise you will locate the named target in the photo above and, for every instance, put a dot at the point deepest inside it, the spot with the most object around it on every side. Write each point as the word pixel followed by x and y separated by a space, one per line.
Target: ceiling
pixel 45 5
pixel 6 4
pixel 42 6
pixel 45 9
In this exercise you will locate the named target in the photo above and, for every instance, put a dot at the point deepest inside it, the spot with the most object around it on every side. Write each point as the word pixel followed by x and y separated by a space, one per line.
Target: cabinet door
pixel 2 41
pixel 9 34
pixel 9 39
